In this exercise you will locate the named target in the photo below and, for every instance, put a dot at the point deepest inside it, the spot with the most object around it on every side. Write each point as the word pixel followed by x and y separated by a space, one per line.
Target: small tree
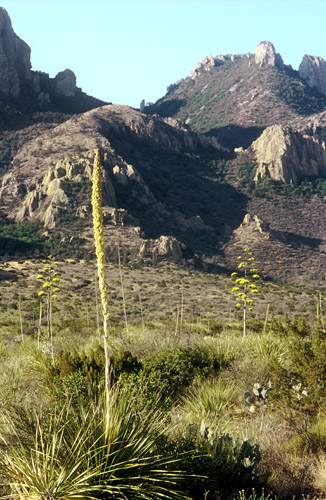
pixel 245 288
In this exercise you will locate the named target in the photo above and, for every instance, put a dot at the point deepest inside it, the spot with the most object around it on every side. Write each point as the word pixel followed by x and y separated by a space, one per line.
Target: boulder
pixel 164 246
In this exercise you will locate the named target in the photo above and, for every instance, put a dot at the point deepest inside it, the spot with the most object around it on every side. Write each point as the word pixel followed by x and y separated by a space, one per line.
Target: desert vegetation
pixel 196 409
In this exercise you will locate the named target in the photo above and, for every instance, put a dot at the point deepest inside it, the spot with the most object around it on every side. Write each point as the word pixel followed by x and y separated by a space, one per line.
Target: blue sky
pixel 124 51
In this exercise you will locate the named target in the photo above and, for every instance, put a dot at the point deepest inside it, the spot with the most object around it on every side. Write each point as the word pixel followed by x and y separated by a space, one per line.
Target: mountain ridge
pixel 175 186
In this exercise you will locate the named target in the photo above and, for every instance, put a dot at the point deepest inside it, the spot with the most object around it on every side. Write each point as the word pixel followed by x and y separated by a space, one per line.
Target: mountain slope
pixel 235 98
pixel 170 190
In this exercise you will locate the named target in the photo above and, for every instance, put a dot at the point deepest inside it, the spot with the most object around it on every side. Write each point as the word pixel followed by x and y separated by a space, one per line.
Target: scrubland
pixel 197 409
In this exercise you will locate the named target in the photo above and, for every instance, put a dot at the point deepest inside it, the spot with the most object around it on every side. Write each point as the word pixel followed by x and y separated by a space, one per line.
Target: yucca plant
pixel 91 453
pixel 208 401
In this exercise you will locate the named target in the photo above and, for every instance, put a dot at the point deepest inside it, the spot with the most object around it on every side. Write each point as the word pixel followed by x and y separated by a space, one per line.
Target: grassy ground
pixel 172 308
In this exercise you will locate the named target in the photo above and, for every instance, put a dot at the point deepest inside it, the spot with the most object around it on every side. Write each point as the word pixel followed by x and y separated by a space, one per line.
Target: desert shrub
pixel 88 364
pixel 222 465
pixel 309 436
pixel 302 380
pixel 298 327
pixel 21 236
pixel 215 328
pixel 207 400
pixel 177 367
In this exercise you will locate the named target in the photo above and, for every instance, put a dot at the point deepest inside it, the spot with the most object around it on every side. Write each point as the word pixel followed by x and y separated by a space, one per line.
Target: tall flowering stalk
pixel 100 255
pixel 49 278
pixel 245 287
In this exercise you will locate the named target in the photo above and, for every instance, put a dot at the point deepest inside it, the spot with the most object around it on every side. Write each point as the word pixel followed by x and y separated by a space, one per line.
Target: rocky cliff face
pixel 15 64
pixel 288 155
pixel 313 70
pixel 35 90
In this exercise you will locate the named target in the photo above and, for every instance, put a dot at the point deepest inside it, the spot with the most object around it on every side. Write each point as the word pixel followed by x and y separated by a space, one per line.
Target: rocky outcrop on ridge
pixel 313 70
pixel 265 55
pixel 164 246
pixel 65 83
pixel 34 90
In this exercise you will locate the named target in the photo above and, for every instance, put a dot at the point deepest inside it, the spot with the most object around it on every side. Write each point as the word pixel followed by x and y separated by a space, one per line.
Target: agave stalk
pixel 123 292
pixel 21 317
pixel 100 257
pixel 245 285
pixel 50 280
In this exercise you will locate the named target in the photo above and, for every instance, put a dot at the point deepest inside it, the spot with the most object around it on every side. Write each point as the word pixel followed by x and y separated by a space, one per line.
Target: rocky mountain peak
pixel 35 89
pixel 265 55
pixel 313 70
pixel 15 61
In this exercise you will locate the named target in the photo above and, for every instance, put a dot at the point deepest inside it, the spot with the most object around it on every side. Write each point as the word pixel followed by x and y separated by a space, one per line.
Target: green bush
pixel 221 464
pixel 298 327
pixel 246 173
pixel 177 367
pixel 87 364
pixel 301 382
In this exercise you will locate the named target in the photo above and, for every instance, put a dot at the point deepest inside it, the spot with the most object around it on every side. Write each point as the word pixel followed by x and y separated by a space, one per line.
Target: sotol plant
pixel 100 256
pixel 245 288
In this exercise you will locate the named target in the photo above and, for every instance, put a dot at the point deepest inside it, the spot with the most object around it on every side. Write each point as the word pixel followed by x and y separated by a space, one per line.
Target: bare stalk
pixel 141 311
pixel 181 308
pixel 122 292
pixel 321 311
pixel 266 319
pixel 39 326
pixel 51 326
pixel 20 317
pixel 177 321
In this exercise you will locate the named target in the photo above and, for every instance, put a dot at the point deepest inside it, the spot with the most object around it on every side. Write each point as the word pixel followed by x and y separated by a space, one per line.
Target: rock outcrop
pixel 164 246
pixel 288 155
pixel 313 70
pixel 265 55
pixel 18 80
pixel 205 65
pixel 49 198
pixel 15 62
pixel 65 83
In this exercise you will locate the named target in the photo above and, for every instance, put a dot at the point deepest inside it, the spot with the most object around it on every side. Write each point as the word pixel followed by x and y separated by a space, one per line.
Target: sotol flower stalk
pixel 100 255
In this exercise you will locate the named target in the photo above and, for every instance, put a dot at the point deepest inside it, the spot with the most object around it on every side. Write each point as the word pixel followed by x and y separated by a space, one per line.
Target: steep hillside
pixel 236 97
pixel 173 184
pixel 154 177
